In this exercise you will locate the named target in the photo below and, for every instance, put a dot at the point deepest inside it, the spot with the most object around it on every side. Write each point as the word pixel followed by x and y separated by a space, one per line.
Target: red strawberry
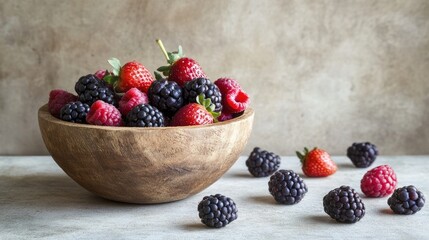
pixel 234 99
pixel 131 75
pixel 180 69
pixel 57 99
pixel 200 113
pixel 317 163
pixel 132 98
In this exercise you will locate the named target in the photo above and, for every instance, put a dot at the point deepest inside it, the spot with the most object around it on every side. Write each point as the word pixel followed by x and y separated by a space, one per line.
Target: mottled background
pixel 323 73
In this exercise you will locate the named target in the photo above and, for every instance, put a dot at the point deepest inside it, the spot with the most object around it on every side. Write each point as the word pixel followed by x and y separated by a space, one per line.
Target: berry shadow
pixel 241 175
pixel 320 219
pixel 386 211
pixel 193 226
pixel 265 199
pixel 346 166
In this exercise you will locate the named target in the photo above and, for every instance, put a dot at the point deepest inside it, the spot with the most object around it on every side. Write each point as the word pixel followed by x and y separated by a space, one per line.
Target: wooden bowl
pixel 145 165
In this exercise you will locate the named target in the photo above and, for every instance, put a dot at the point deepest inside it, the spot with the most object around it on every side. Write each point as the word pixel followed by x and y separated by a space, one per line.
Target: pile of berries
pixel 179 95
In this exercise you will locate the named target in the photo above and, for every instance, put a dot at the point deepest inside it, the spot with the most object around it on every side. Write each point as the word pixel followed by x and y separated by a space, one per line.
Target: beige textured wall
pixel 323 73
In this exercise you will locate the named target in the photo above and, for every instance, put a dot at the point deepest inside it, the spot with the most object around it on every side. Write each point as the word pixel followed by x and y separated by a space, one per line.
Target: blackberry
pixel 74 112
pixel 362 154
pixel 406 200
pixel 90 89
pixel 145 115
pixel 202 85
pixel 344 205
pixel 287 187
pixel 167 96
pixel 262 163
pixel 217 211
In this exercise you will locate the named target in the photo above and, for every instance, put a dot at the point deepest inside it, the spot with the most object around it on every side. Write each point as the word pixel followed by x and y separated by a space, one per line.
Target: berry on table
pixel 217 211
pixel 316 163
pixel 132 98
pixel 406 200
pixel 344 205
pixel 104 114
pixel 198 86
pixel 167 96
pixel 145 115
pixel 262 163
pixel 379 182
pixel 57 99
pixel 287 187
pixel 363 154
pixel 90 89
pixel 74 112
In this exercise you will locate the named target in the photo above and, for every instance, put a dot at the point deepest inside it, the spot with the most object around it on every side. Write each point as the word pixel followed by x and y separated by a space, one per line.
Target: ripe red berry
pixel 234 99
pixel 57 99
pixel 379 182
pixel 132 98
pixel 317 163
pixel 104 114
pixel 192 114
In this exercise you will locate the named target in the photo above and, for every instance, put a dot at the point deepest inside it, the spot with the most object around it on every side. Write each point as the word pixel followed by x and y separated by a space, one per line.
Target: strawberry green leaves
pixel 171 58
pixel 113 79
pixel 208 105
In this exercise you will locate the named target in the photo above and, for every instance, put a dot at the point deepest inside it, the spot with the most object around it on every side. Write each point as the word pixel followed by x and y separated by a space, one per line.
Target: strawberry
pixel 131 75
pixel 180 69
pixel 317 163
pixel 199 113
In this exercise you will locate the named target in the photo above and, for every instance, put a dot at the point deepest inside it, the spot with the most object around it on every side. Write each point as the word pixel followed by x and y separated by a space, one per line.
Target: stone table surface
pixel 39 201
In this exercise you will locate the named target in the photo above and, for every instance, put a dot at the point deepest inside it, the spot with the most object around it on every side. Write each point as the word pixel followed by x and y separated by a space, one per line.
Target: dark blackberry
pixel 344 205
pixel 217 211
pixel 167 96
pixel 287 187
pixel 194 88
pixel 74 112
pixel 262 163
pixel 406 200
pixel 145 115
pixel 90 89
pixel 362 154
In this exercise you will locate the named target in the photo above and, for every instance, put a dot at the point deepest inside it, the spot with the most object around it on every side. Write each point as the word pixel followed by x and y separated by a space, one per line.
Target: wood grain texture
pixel 145 165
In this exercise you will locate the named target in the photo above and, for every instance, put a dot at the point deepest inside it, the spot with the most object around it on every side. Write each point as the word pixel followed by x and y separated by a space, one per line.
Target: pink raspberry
pixel 234 99
pixel 379 182
pixel 132 98
pixel 57 99
pixel 104 114
pixel 101 73
pixel 225 116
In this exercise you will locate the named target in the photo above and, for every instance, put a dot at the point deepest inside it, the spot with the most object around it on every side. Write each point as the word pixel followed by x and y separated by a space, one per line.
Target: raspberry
pixel 344 205
pixel 379 181
pixel 74 112
pixel 104 114
pixel 57 99
pixel 132 98
pixel 101 73
pixel 217 211
pixel 287 187
pixel 234 99
pixel 406 200
pixel 262 163
pixel 225 116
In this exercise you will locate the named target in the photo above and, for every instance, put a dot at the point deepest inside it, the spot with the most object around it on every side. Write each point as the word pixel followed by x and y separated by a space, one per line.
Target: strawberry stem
pixel 161 46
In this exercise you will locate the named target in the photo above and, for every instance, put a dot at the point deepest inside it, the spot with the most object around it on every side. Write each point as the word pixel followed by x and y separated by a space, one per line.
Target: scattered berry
pixel 234 99
pixel 287 187
pixel 90 89
pixel 145 115
pixel 132 98
pixel 166 96
pixel 74 112
pixel 217 211
pixel 344 205
pixel 104 114
pixel 194 88
pixel 57 99
pixel 406 200
pixel 262 163
pixel 131 75
pixel 180 69
pixel 378 182
pixel 317 163
pixel 362 154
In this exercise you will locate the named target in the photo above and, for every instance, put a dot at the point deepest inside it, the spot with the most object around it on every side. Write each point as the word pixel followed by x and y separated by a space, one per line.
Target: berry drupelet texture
pixel 104 114
pixel 165 95
pixel 287 187
pixel 406 200
pixel 90 89
pixel 217 211
pixel 57 99
pixel 74 112
pixel 344 205
pixel 145 115
pixel 262 163
pixel 363 154
pixel 202 86
pixel 379 181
